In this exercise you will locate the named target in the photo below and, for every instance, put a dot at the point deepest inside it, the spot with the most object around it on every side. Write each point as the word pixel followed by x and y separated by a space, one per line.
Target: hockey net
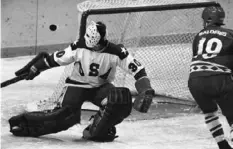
pixel 158 33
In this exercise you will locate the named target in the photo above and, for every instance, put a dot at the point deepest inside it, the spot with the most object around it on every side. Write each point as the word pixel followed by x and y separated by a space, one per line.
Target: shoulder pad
pixel 118 50
pixel 78 44
pixel 230 31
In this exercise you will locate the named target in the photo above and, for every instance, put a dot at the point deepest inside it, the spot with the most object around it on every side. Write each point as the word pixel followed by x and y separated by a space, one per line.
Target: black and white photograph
pixel 116 74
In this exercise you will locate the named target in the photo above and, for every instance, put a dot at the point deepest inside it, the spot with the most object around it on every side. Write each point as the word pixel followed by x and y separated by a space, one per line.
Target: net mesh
pixel 160 40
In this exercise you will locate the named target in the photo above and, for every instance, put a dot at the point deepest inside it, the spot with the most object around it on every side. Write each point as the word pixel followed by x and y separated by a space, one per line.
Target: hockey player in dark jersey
pixel 210 81
pixel 95 60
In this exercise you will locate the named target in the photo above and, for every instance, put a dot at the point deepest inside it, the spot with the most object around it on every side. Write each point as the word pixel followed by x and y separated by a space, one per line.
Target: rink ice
pixel 182 132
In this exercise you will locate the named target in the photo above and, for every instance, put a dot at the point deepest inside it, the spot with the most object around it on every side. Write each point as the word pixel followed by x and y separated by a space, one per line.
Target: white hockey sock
pixel 231 133
pixel 215 127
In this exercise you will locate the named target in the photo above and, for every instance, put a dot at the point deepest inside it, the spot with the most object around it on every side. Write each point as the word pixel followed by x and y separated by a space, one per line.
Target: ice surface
pixel 185 131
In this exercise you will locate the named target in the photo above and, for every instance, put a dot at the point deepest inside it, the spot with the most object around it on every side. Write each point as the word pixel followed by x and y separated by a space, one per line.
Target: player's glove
pixel 143 101
pixel 34 67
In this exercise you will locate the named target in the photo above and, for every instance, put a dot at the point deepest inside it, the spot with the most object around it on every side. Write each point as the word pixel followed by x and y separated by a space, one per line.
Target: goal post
pixel 158 33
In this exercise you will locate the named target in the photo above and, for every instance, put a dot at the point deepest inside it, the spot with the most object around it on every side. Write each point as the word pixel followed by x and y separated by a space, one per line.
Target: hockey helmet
pixel 213 15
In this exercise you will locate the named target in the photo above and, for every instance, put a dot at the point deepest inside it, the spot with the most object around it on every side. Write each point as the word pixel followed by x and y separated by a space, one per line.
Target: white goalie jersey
pixel 92 69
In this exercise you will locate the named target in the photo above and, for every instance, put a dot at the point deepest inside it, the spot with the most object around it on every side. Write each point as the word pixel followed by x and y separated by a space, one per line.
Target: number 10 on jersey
pixel 212 48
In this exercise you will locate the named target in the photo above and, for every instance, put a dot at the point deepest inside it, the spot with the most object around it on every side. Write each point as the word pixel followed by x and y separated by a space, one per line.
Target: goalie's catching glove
pixel 35 66
pixel 143 101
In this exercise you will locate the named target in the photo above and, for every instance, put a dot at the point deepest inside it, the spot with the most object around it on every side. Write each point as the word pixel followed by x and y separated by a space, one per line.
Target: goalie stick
pixel 13 80
pixel 23 72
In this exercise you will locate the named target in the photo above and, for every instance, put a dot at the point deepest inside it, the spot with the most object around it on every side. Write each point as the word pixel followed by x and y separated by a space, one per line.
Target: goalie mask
pixel 95 34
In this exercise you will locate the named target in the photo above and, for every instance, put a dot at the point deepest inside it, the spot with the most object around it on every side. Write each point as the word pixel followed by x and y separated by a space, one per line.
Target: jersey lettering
pixel 94 69
pixel 81 72
pixel 212 48
pixel 105 76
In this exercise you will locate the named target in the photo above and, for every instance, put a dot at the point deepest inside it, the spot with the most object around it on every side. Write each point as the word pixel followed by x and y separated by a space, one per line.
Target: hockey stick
pixel 89 110
pixel 23 72
pixel 13 80
pixel 27 67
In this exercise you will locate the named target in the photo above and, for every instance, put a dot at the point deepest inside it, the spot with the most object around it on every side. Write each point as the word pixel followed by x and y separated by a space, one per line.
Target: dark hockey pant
pixel 212 91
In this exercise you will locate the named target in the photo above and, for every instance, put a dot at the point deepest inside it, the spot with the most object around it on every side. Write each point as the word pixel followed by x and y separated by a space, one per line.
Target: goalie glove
pixel 143 101
pixel 35 66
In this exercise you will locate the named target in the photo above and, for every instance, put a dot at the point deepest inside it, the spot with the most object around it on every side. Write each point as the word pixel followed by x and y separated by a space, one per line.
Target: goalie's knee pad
pixel 43 122
pixel 119 106
pixel 119 102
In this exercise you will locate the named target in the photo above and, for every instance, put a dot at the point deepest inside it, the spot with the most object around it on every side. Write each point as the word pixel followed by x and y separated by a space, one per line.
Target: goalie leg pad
pixel 119 106
pixel 43 122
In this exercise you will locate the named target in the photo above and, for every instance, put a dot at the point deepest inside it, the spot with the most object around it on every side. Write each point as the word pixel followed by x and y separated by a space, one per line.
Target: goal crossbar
pixel 166 7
